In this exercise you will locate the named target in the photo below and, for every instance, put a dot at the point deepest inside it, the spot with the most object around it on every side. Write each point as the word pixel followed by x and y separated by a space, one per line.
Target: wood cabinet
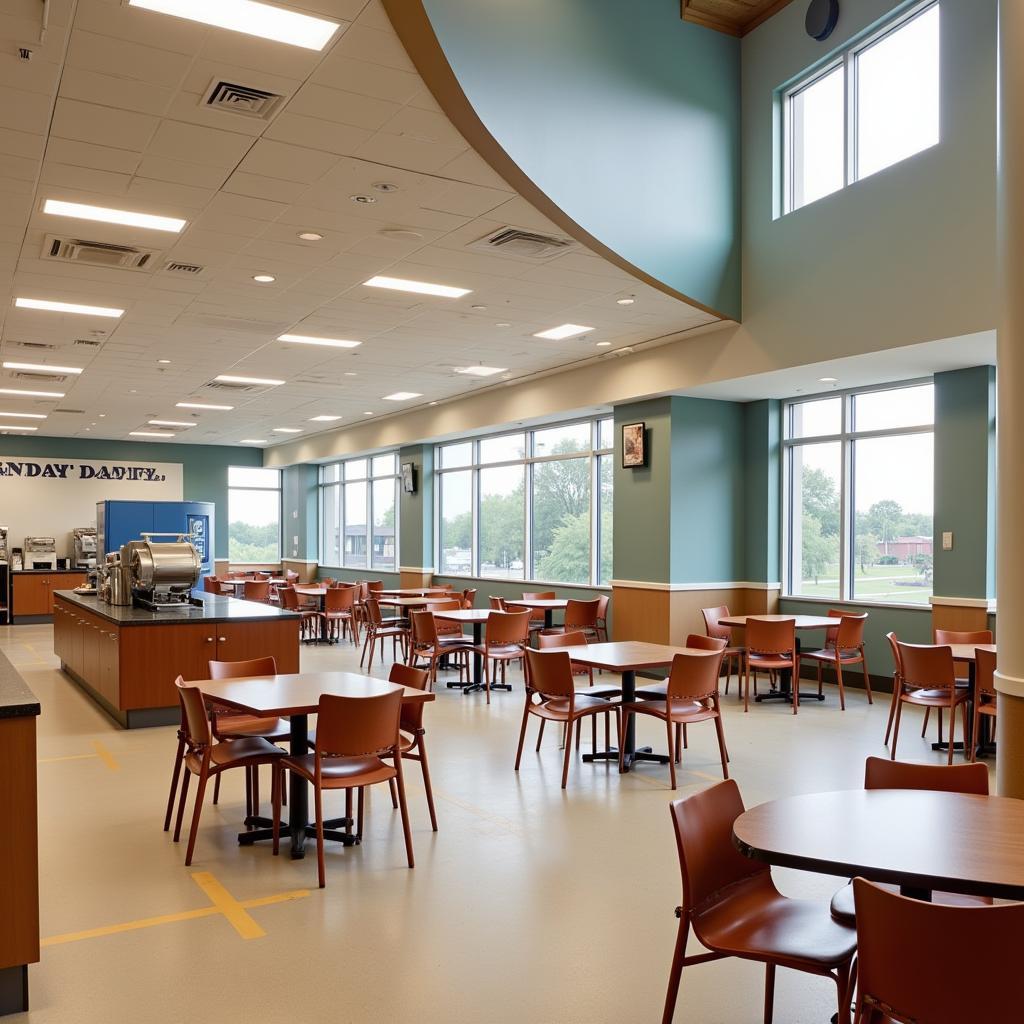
pixel 32 593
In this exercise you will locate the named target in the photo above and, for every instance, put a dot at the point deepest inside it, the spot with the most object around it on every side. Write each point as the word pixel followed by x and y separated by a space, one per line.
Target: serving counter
pixel 127 658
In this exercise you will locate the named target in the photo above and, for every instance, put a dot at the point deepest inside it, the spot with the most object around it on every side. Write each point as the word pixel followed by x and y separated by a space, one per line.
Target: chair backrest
pixel 706 643
pixel 694 676
pixel 711 617
pixel 419 678
pixel 364 592
pixel 193 714
pixel 550 673
pixel 602 608
pixel 291 575
pixel 338 599
pixel 897 661
pixel 961 636
pixel 926 666
pixel 548 640
pixel 848 635
pixel 708 860
pixel 254 590
pixel 468 597
pixel 896 958
pixel 289 599
pixel 375 586
pixel 985 672
pixel 261 577
pixel 771 636
pixel 497 603
pixel 424 629
pixel 353 726
pixel 373 612
pixel 542 595
pixel 505 628
pixel 881 773
pixel 211 585
pixel 444 604
pixel 581 614
pixel 238 669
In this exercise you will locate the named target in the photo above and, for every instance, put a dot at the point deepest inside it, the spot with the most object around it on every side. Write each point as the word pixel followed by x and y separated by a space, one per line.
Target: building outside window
pixel 530 505
pixel 859 495
pixel 871 107
pixel 254 515
pixel 359 513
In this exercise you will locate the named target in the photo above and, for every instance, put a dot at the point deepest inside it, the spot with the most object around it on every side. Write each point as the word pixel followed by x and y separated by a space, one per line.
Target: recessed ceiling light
pixel 8 427
pixel 110 216
pixel 828 380
pixel 400 284
pixel 164 361
pixel 31 394
pixel 433 403
pixel 564 331
pixel 149 433
pixel 367 413
pixel 250 18
pixel 401 234
pixel 481 371
pixel 626 300
pixel 229 378
pixel 25 415
pixel 324 419
pixel 169 423
pixel 287 430
pixel 68 307
pixel 503 323
pixel 253 440
pixel 480 308
pixel 103 415
pixel 351 373
pixel 203 405
pixel 264 278
pixel 402 396
pixel 365 200
pixel 385 186
pixel 305 339
pixel 42 368
pixel 310 236
pixel 603 344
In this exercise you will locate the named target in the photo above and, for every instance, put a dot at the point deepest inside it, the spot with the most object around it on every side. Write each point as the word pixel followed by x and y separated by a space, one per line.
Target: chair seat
pixel 342 772
pixel 842 908
pixel 652 691
pixel 754 921
pixel 505 651
pixel 682 710
pixel 229 753
pixel 605 692
pixel 853 655
pixel 557 708
pixel 231 727
pixel 935 698
pixel 769 661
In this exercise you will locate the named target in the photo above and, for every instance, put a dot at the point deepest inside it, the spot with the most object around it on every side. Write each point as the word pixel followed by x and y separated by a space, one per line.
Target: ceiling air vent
pixel 242 99
pixel 34 345
pixel 221 385
pixel 40 378
pixel 97 254
pixel 70 412
pixel 522 245
pixel 189 269
pixel 87 343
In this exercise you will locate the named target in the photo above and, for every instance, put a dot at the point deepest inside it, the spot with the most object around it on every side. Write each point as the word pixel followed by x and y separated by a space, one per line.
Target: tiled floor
pixel 529 905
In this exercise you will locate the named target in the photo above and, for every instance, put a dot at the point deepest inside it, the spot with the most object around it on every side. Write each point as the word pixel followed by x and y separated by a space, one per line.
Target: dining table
pixel 274 581
pixel 964 654
pixel 296 696
pixel 477 618
pixel 801 622
pixel 416 592
pixel 548 605
pixel 319 592
pixel 627 657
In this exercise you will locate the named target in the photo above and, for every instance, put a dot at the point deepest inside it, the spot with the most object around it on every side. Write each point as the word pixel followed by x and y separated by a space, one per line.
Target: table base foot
pixel 788 697
pixel 640 754
pixel 262 829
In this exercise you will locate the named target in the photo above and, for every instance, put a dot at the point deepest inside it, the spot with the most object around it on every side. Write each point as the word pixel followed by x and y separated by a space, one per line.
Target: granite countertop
pixel 16 699
pixel 214 609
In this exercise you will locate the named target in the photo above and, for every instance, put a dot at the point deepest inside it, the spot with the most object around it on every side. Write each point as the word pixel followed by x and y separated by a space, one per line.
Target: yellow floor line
pixel 129 926
pixel 224 902
pixel 106 756
pixel 69 757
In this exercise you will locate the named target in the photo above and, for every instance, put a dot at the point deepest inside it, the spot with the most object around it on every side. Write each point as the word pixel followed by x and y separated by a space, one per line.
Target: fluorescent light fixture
pixel 68 307
pixel 564 331
pixel 604 344
pixel 7 427
pixel 251 18
pixel 24 415
pixel 202 405
pixel 253 440
pixel 627 300
pixel 110 216
pixel 42 368
pixel 399 284
pixel 305 339
pixel 402 396
pixel 229 378
pixel 264 278
pixel 324 419
pixel 149 433
pixel 31 394
pixel 287 430
pixel 169 423
pixel 828 380
pixel 310 236
pixel 481 371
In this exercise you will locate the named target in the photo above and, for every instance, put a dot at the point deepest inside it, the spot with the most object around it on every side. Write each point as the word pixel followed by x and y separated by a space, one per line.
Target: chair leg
pixel 425 769
pixel 819 679
pixel 676 970
pixel 175 778
pixel 896 730
pixel 196 813
pixel 952 732
pixel 277 789
pixel 318 800
pixel 769 993
pixel 360 801
pixel 671 752
pixel 975 725
pixel 746 688
pixel 924 727
pixel 624 714
pixel 181 804
pixel 867 678
pixel 795 684
pixel 540 733
pixel 568 748
pixel 404 810
pixel 719 729
pixel 970 738
pixel 394 794
pixel 216 790
pixel 839 682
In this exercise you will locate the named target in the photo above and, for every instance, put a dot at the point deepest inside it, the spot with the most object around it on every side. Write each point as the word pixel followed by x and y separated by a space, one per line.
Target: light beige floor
pixel 530 905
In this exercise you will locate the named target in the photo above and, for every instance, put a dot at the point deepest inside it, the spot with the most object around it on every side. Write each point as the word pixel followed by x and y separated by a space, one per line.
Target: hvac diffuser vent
pixel 87 343
pixel 522 245
pixel 242 99
pixel 184 268
pixel 40 378
pixel 97 254
pixel 34 345
pixel 70 412
pixel 221 385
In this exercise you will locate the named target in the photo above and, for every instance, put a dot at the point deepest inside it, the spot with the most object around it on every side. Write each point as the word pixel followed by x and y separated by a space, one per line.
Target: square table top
pixel 464 615
pixel 299 693
pixel 310 591
pixel 540 602
pixel 413 602
pixel 802 621
pixel 627 655
pixel 965 652
pixel 415 591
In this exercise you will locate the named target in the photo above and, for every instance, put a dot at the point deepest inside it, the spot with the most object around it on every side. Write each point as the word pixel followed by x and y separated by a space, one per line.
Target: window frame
pixel 846 438
pixel 530 460
pixel 280 510
pixel 847 59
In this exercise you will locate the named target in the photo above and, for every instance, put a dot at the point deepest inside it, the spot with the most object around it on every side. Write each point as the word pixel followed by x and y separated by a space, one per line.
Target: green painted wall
pixel 204 467
pixel 965 482
pixel 300 512
pixel 762 472
pixel 624 115
pixel 416 511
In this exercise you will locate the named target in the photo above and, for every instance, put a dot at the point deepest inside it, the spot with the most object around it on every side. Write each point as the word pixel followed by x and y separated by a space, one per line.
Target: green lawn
pixel 901 584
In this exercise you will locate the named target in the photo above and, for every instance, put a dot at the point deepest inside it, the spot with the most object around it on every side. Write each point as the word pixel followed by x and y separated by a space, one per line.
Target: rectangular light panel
pixel 110 216
pixel 68 307
pixel 305 339
pixel 400 284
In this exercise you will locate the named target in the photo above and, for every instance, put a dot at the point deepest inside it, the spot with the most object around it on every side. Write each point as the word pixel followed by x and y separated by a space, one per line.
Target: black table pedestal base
pixel 787 695
pixel 261 829
pixel 640 754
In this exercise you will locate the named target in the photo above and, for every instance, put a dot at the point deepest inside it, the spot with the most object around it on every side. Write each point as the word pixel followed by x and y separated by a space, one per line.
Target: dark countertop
pixel 45 572
pixel 16 699
pixel 214 609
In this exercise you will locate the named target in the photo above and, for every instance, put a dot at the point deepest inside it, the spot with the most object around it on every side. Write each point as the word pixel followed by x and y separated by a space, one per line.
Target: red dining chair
pixel 844 647
pixel 771 645
pixel 733 654
pixel 986 699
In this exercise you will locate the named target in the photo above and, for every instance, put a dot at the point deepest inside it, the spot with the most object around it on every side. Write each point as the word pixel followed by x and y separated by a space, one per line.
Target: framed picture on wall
pixel 409 477
pixel 634 445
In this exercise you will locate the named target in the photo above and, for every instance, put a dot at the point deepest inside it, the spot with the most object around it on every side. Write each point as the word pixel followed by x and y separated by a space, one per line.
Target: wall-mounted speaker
pixel 822 16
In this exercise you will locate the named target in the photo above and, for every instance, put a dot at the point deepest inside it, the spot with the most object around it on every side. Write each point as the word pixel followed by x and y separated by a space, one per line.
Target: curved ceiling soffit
pixel 413 27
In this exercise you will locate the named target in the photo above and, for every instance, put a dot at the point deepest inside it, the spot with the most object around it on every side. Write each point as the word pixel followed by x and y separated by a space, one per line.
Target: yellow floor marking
pixel 69 757
pixel 224 902
pixel 105 756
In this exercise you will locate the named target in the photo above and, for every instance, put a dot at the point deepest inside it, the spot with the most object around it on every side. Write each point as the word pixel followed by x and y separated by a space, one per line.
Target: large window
pixel 876 104
pixel 859 495
pixel 359 513
pixel 530 505
pixel 254 514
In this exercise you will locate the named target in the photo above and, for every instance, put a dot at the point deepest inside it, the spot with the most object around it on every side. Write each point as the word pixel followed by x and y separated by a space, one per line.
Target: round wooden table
pixel 918 840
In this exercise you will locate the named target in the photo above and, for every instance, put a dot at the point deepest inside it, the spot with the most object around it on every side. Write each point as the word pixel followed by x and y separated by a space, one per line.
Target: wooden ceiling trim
pixel 733 17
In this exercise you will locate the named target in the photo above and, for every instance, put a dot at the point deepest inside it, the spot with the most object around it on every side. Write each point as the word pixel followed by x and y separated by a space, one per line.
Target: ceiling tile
pixel 129 62
pixel 205 145
pixel 315 133
pixel 104 126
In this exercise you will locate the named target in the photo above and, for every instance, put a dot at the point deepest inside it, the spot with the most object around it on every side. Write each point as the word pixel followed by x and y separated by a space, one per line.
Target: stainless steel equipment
pixel 40 553
pixel 116 584
pixel 4 557
pixel 85 547
pixel 163 573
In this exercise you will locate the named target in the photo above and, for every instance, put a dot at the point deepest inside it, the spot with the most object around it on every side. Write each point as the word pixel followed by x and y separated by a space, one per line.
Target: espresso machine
pixel 162 573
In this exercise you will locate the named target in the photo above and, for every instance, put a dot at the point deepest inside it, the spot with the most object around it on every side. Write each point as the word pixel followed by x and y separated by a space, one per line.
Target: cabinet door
pixel 91 653
pixel 76 637
pixel 153 656
pixel 31 595
pixel 109 657
pixel 239 641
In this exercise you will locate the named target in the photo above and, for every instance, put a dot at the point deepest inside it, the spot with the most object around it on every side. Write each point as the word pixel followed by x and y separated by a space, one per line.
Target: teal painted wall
pixel 762 498
pixel 624 115
pixel 300 512
pixel 416 511
pixel 204 467
pixel 965 482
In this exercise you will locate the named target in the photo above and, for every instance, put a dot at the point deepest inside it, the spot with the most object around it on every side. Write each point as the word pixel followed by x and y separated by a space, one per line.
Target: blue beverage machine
pixel 118 522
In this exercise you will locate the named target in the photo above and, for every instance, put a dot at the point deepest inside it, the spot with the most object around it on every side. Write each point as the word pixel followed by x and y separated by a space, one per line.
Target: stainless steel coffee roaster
pixel 162 572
